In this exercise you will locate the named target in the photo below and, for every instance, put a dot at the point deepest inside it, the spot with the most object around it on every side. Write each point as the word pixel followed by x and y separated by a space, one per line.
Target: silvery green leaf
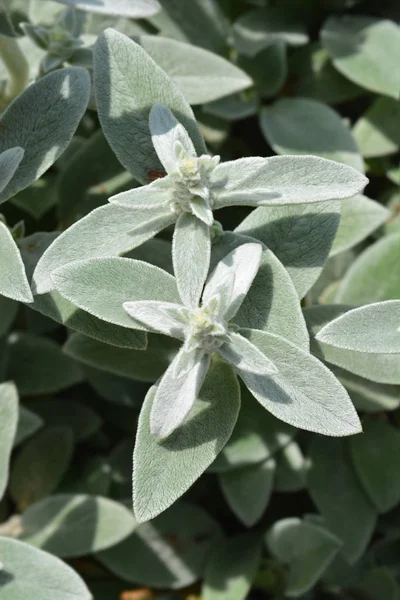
pixel 191 251
pixel 364 50
pixel 377 131
pixel 166 131
pixel 306 126
pixel 40 465
pixel 368 396
pixel 9 163
pixel 163 471
pixel 379 445
pixel 201 209
pixel 28 424
pixel 13 281
pixel 200 75
pixel 38 366
pixel 124 105
pixel 102 285
pixel 306 548
pixel 30 573
pixel 52 107
pixel 131 9
pixel 162 317
pixel 175 395
pixel 374 275
pixel 243 263
pixel 168 552
pixel 244 356
pixel 257 29
pixel 304 393
pixel 248 490
pixel 232 567
pixel 299 235
pixel 351 516
pixel 360 216
pixel 106 231
pixel 374 328
pixel 142 365
pixel 154 196
pixel 380 368
pixel 69 525
pixel 8 429
pixel 280 180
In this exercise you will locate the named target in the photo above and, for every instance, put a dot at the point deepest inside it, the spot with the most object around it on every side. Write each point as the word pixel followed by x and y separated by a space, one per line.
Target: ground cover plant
pixel 199 299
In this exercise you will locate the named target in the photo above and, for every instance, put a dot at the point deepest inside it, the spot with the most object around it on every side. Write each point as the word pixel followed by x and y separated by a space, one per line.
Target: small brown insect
pixel 140 594
pixel 153 175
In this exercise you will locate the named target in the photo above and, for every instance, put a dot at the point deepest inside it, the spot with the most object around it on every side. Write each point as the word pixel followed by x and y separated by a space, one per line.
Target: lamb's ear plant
pixel 199 299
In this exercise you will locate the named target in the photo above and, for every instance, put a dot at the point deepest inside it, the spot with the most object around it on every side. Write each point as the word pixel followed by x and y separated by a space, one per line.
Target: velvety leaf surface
pixel 8 429
pixel 13 280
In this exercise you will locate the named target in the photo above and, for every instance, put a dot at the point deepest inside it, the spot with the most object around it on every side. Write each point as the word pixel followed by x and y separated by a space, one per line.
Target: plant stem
pixel 16 65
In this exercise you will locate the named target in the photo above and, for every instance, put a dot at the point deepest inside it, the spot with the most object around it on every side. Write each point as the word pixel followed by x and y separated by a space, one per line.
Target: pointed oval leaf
pixel 306 126
pixel 131 9
pixel 168 552
pixel 70 525
pixel 303 393
pixel 52 108
pixel 124 105
pixel 9 163
pixel 163 471
pixel 351 516
pixel 30 573
pixel 8 429
pixel 377 131
pixel 13 281
pixel 364 50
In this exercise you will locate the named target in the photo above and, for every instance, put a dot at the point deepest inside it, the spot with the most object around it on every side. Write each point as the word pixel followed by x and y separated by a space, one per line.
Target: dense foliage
pixel 199 268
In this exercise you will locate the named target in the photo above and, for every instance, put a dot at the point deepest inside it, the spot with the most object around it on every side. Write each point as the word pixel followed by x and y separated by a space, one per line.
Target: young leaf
pixel 13 280
pixel 136 9
pixel 124 106
pixel 30 573
pixel 191 251
pixel 36 471
pixel 79 418
pixel 69 525
pixel 200 75
pixel 377 131
pixel 163 471
pixel 372 329
pixel 9 163
pixel 299 235
pixel 168 552
pixel 308 550
pixel 364 50
pixel 351 516
pixel 305 126
pixel 101 286
pixel 232 567
pixel 51 108
pixel 378 446
pixel 8 429
pixel 38 366
pixel 248 490
pixel 317 402
pixel 359 218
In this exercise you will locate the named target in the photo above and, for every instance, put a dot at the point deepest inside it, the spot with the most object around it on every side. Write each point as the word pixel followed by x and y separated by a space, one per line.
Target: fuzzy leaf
pixel 305 126
pixel 244 356
pixel 131 9
pixel 364 50
pixel 248 490
pixel 232 568
pixel 9 163
pixel 30 573
pixel 13 280
pixel 351 517
pixel 359 218
pixel 69 525
pixel 51 108
pixel 163 471
pixel 124 106
pixel 8 429
pixel 160 317
pixel 303 393
pixel 102 285
pixel 168 552
pixel 165 131
pixel 372 329
pixel 379 445
pixel 191 251
pixel 40 465
pixel 377 131
pixel 281 180
pixel 299 235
